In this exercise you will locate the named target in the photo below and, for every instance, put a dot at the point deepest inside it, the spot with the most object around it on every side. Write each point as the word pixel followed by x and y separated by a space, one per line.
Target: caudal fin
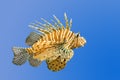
pixel 20 55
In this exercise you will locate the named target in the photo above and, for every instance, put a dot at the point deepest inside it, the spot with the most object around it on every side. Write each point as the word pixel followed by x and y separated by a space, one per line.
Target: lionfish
pixel 54 43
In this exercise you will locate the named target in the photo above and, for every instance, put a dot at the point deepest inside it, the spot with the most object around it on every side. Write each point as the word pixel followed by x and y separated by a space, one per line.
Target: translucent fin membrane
pixel 32 38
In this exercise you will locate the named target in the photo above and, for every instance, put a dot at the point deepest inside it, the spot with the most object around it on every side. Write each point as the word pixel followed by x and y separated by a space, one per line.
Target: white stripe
pixel 50 37
pixel 70 40
pixel 46 36
pixel 70 33
pixel 61 37
pixel 64 32
pixel 57 33
pixel 67 35
pixel 53 35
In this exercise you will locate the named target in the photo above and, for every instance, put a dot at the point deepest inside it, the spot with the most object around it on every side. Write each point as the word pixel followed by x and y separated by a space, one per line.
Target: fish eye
pixel 78 34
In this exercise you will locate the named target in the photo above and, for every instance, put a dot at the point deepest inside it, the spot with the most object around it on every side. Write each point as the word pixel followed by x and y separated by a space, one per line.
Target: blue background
pixel 97 20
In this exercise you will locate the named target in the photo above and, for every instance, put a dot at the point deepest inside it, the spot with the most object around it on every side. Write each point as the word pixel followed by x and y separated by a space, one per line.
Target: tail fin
pixel 20 55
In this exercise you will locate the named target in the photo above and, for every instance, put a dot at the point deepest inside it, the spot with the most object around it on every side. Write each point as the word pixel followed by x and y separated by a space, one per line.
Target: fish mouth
pixel 83 41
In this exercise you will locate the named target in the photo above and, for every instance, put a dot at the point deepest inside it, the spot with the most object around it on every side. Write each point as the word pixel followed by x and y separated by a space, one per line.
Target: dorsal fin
pixel 32 38
pixel 37 27
pixel 58 21
pixel 68 25
pixel 56 24
pixel 50 26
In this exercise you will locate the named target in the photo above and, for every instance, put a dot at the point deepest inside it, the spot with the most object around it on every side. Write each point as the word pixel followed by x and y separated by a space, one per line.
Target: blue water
pixel 96 20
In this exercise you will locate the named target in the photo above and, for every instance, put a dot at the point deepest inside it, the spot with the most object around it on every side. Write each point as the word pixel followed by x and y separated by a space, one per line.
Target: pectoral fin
pixel 56 65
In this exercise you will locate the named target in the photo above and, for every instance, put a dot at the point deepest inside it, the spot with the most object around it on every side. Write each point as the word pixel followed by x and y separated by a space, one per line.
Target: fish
pixel 53 43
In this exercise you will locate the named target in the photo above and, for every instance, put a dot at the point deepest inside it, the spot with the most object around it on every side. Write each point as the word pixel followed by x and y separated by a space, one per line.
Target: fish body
pixel 55 44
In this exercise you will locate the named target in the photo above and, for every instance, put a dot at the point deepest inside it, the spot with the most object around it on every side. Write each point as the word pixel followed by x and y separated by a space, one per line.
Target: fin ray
pixel 58 21
pixel 20 55
pixel 34 62
pixel 32 38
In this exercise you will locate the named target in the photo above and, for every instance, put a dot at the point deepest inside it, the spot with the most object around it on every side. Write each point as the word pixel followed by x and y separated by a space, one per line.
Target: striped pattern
pixel 53 35
pixel 54 43
pixel 51 39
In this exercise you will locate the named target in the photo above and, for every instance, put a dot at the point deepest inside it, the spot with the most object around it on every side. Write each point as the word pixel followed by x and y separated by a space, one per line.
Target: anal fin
pixel 34 62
